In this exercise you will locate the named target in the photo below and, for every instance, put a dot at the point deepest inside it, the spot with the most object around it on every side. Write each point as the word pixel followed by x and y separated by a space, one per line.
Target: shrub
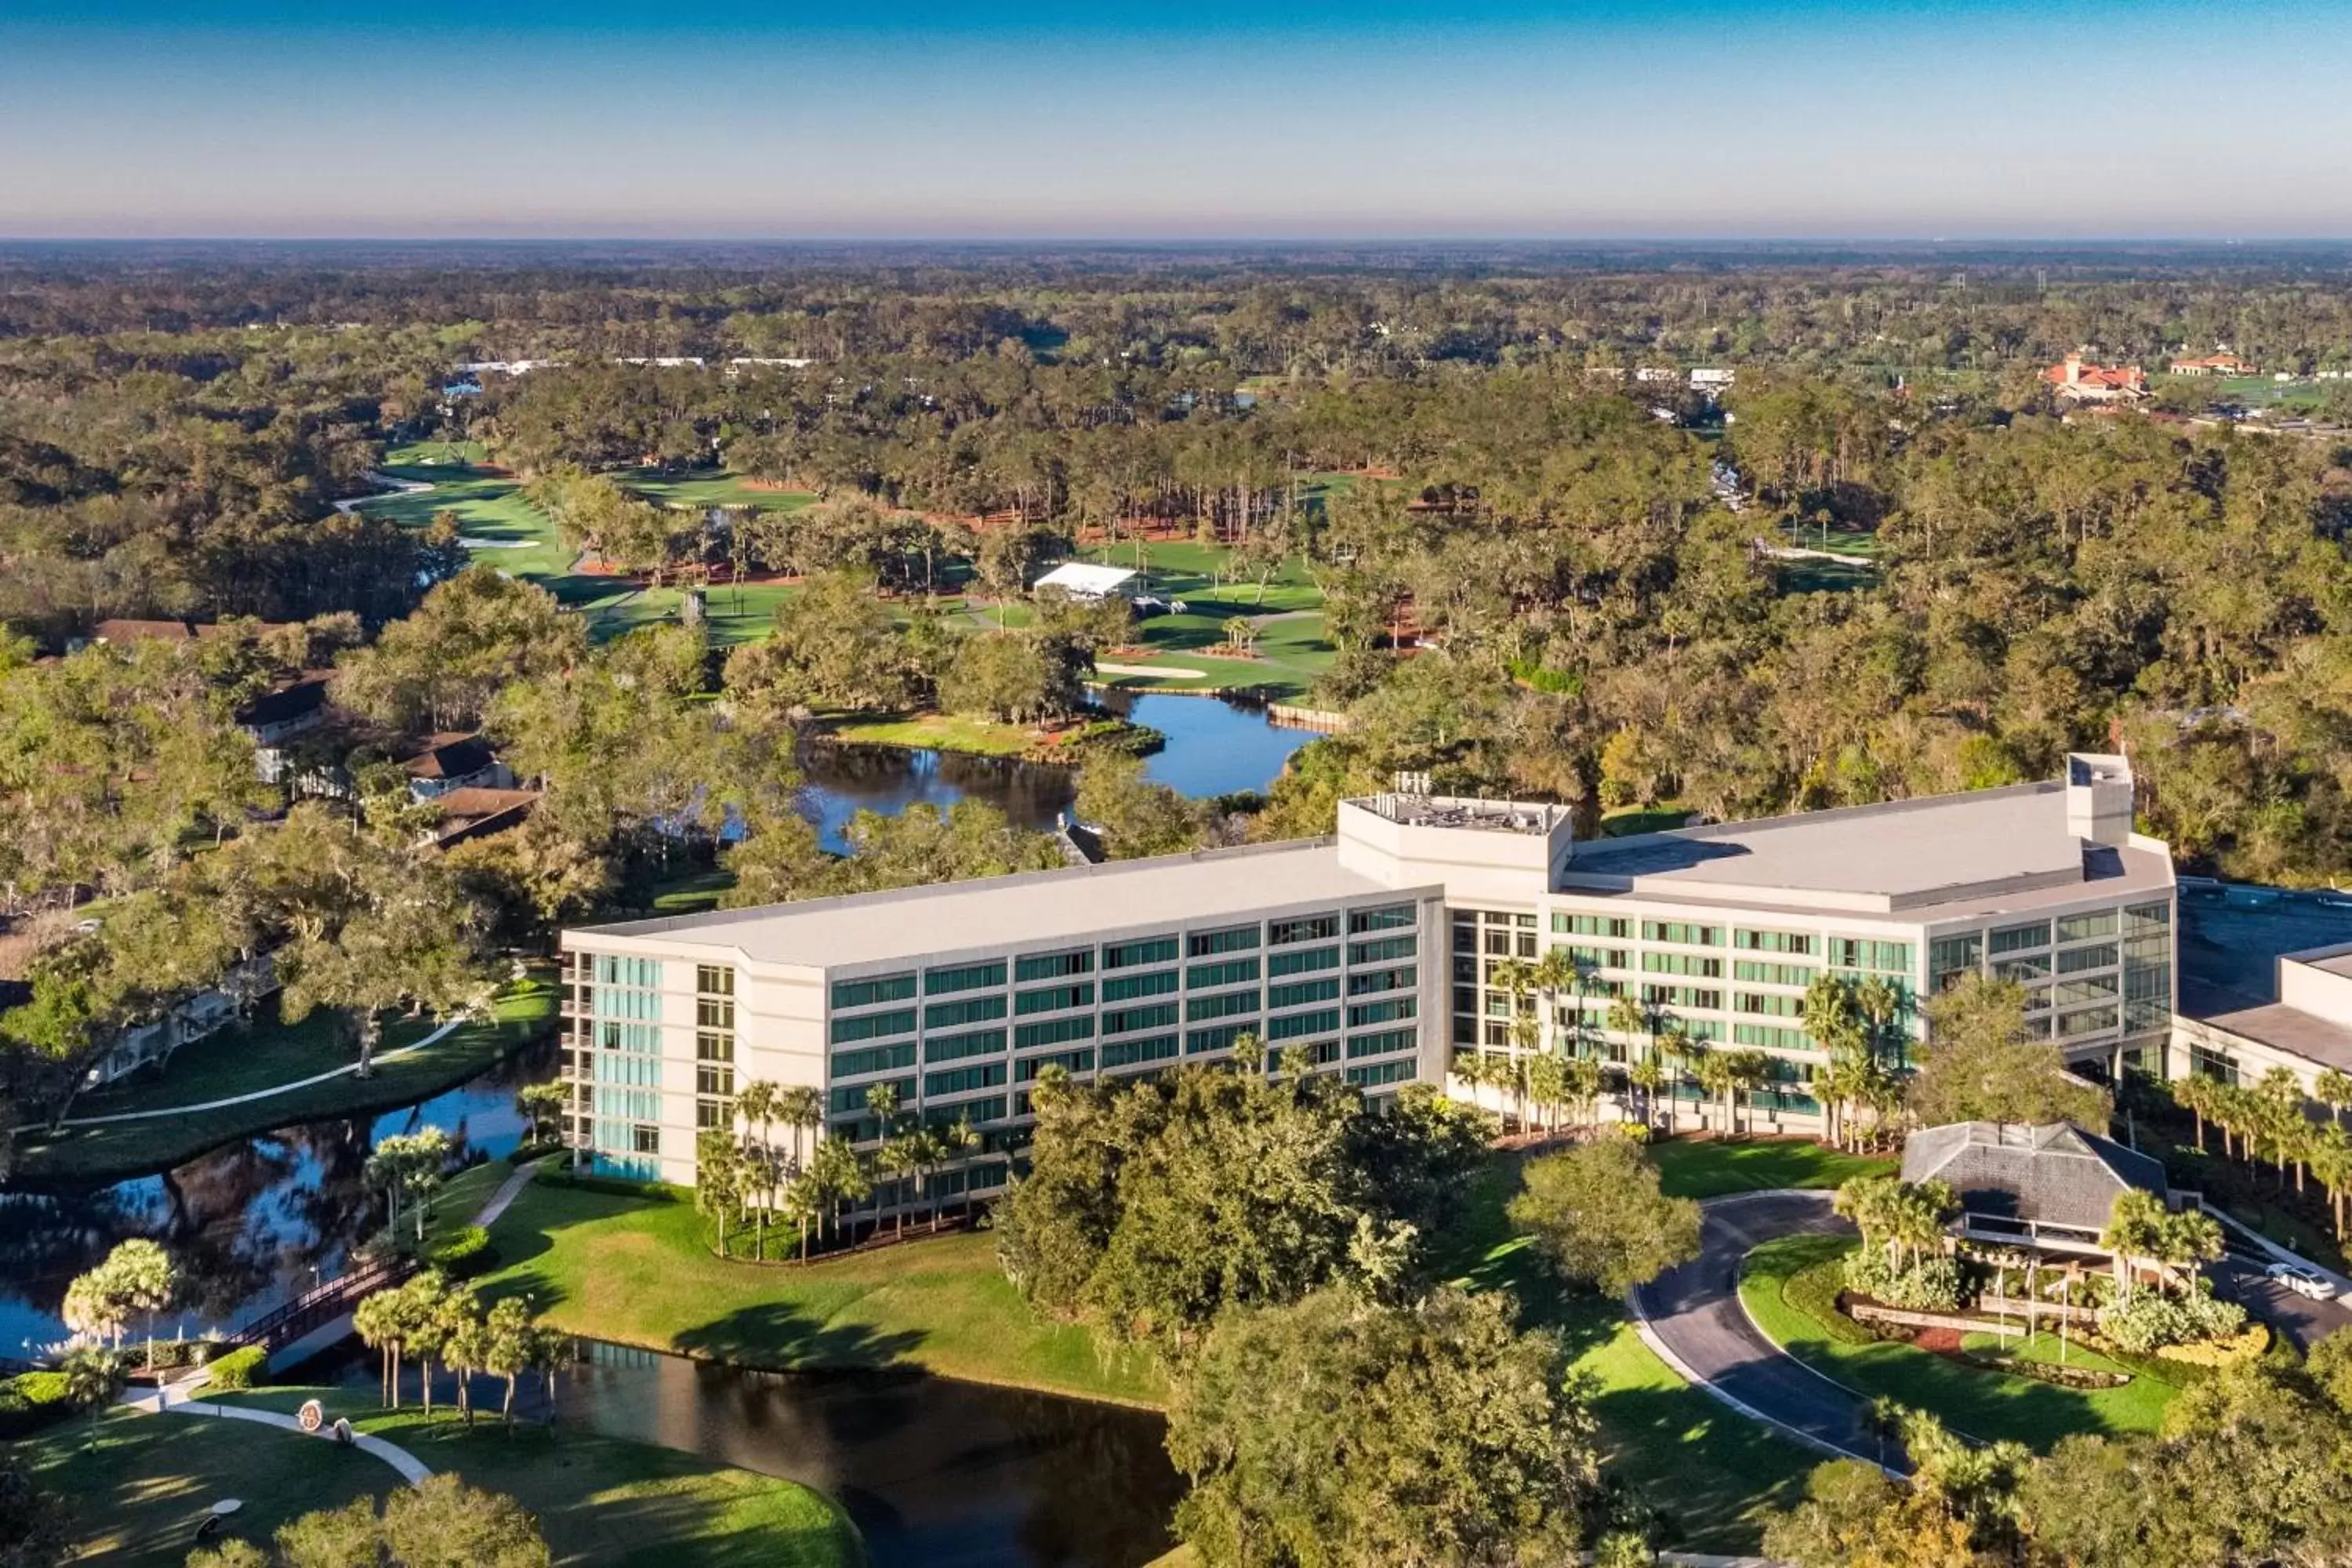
pixel 32 1400
pixel 2240 1347
pixel 1932 1285
pixel 238 1368
pixel 463 1254
pixel 1813 1290
pixel 2146 1320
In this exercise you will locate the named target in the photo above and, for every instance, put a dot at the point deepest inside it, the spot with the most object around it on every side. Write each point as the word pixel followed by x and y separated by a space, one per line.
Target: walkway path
pixel 509 1190
pixel 380 1057
pixel 159 1402
pixel 1693 1318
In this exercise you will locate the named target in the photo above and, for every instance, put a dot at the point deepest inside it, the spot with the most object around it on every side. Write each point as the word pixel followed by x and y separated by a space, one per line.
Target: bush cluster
pixel 30 1401
pixel 239 1368
pixel 465 1253
pixel 1931 1285
pixel 2142 1321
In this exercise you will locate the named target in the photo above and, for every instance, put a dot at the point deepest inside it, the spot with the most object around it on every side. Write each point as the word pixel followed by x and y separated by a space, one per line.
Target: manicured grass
pixel 120 1148
pixel 711 489
pixel 136 1495
pixel 1976 1400
pixel 1716 1474
pixel 692 893
pixel 603 1501
pixel 1711 1167
pixel 640 1272
pixel 945 732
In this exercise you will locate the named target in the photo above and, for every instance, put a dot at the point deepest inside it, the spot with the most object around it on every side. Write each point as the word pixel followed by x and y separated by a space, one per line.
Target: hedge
pixel 238 1368
pixel 30 1401
pixel 465 1253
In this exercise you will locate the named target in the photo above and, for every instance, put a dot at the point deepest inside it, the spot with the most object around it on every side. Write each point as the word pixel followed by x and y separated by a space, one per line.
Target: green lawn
pixel 1716 1474
pixel 947 732
pixel 711 489
pixel 639 1271
pixel 1976 1400
pixel 599 1500
pixel 238 1063
pixel 1707 1168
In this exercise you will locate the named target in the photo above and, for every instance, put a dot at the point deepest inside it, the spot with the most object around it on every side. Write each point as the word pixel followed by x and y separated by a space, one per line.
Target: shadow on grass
pixel 779 1336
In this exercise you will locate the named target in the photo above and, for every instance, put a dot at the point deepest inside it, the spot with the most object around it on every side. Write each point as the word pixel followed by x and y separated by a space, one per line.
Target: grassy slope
pixel 603 1501
pixel 641 1273
pixel 131 1148
pixel 1696 1168
pixel 1978 1402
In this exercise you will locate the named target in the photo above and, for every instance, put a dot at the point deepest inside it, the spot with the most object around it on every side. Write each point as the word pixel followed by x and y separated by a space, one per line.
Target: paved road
pixel 2299 1317
pixel 1695 1321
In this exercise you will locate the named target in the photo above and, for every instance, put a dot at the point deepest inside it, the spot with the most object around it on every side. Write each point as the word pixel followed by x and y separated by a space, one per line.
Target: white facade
pixel 1380 954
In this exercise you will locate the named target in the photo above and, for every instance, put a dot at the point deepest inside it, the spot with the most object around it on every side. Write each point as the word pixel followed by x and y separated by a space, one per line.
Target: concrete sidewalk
pixel 160 1402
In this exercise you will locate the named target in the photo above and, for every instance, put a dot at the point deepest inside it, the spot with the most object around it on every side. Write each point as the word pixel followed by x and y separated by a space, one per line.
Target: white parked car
pixel 2302 1281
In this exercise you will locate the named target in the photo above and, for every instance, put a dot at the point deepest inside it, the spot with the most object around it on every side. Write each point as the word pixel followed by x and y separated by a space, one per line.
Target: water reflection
pixel 250 1224
pixel 935 1472
pixel 1213 748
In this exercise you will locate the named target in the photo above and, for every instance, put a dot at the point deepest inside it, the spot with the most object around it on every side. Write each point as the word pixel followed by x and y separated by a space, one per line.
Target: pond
pixel 1213 748
pixel 936 1473
pixel 250 1224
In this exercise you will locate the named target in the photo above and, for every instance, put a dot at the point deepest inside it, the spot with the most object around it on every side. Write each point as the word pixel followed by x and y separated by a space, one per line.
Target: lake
pixel 1213 748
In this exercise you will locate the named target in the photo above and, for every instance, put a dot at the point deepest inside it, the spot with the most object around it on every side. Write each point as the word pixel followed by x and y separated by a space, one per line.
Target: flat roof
pixel 2289 1029
pixel 1915 858
pixel 1035 908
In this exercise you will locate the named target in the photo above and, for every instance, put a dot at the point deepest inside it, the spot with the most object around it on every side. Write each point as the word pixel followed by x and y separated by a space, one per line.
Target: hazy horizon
pixel 1040 121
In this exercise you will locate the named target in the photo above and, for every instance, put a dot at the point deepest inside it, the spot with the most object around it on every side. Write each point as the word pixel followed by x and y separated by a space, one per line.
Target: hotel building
pixel 1379 954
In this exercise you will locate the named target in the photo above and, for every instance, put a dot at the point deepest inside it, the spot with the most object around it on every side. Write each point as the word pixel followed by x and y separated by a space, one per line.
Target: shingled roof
pixel 2052 1175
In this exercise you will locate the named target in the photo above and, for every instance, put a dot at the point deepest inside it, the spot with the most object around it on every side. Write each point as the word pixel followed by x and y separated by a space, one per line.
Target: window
pixel 714 1078
pixel 1393 1009
pixel 1307 960
pixel 1615 926
pixel 971 1010
pixel 1299 994
pixel 1790 941
pixel 1127 1020
pixel 1291 1027
pixel 963 1080
pixel 1232 972
pixel 1053 998
pixel 1309 928
pixel 853 1097
pixel 714 1045
pixel 1599 957
pixel 1233 939
pixel 1498 945
pixel 714 979
pixel 1768 1006
pixel 1026 1069
pixel 2083 927
pixel 1951 957
pixel 1054 965
pixel 1402 978
pixel 1771 1037
pixel 1220 1039
pixel 1126 1053
pixel 1128 987
pixel 2090 1021
pixel 878 1058
pixel 1392 918
pixel 1703 998
pixel 2020 938
pixel 867 993
pixel 2025 971
pixel 1867 952
pixel 645 1140
pixel 955 1047
pixel 1681 964
pixel 1136 954
pixel 1381 1043
pixel 612 969
pixel 1224 1004
pixel 873 1026
pixel 1682 932
pixel 1378 1073
pixel 2140 918
pixel 1053 1031
pixel 1763 974
pixel 2099 955
pixel 1386 949
pixel 963 977
pixel 2097 987
pixel 973 1110
pixel 710 1114
pixel 714 1013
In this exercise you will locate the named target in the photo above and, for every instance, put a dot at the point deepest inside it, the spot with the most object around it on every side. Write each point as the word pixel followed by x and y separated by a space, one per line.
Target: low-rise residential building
pixel 2078 380
pixel 2215 364
pixel 289 710
pixel 453 762
pixel 1381 954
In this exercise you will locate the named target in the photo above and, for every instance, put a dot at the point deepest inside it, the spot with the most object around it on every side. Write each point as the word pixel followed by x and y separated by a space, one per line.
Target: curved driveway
pixel 1693 1318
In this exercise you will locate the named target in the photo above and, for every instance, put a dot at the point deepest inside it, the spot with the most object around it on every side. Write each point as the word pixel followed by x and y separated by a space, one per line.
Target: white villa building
pixel 1374 952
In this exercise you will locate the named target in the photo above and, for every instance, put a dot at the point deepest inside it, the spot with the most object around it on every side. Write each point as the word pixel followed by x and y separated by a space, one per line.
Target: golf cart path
pixel 159 1402
pixel 380 1057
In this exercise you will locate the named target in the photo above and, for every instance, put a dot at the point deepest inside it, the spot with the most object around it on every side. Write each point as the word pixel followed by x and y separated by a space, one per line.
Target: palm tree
pixel 2194 1094
pixel 801 1109
pixel 1880 1001
pixel 1583 1080
pixel 1649 1077
pixel 899 1157
pixel 719 1182
pixel 1470 1067
pixel 2331 1162
pixel 762 1103
pixel 952 1141
pixel 1630 1018
pixel 1547 1080
pixel 93 1377
pixel 377 1322
pixel 2333 1088
pixel 1718 1076
pixel 805 1206
pixel 1750 1070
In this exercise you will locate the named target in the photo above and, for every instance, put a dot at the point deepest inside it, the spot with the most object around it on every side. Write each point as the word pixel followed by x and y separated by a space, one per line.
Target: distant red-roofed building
pixel 454 762
pixel 472 812
pixel 2079 381
pixel 2215 364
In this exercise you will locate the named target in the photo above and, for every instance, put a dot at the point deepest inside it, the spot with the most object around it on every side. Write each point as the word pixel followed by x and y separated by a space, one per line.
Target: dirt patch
pixel 1941 1342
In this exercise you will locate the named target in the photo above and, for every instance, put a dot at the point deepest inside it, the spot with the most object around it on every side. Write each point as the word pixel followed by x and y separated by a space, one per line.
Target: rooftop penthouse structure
pixel 1379 952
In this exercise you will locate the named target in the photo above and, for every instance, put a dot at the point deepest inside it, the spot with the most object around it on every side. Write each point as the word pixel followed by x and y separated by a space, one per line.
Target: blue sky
pixel 1218 119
